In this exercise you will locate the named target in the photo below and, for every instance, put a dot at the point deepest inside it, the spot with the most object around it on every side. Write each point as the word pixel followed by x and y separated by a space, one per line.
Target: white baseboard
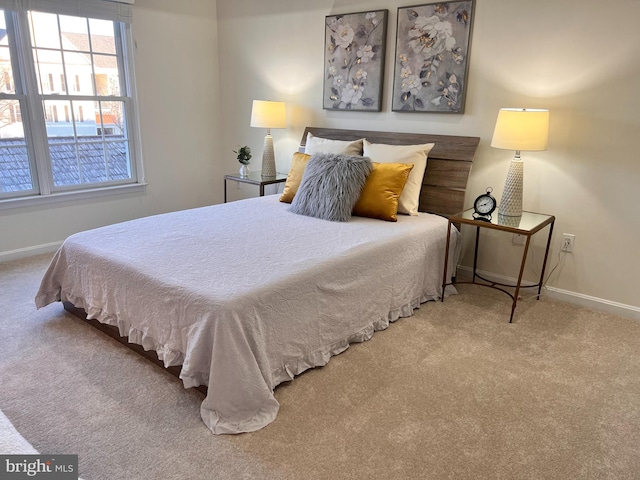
pixel 579 299
pixel 29 251
pixel 621 309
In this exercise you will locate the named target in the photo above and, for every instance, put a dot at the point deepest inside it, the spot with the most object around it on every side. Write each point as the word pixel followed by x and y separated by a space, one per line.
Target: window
pixel 57 141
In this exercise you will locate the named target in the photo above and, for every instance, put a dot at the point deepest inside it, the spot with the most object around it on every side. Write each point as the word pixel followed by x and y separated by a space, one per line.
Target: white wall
pixel 178 91
pixel 579 59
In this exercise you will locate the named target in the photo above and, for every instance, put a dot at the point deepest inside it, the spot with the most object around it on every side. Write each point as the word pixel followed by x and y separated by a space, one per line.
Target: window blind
pixel 102 9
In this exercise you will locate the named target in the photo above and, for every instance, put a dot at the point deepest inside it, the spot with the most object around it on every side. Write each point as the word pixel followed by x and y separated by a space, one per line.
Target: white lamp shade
pixel 265 114
pixel 521 129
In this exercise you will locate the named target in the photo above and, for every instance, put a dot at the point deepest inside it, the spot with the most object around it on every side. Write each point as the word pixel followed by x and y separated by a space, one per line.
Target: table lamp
pixel 265 114
pixel 518 129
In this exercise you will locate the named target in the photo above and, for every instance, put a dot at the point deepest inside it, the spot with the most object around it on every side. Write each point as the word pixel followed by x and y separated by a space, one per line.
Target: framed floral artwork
pixel 354 60
pixel 432 54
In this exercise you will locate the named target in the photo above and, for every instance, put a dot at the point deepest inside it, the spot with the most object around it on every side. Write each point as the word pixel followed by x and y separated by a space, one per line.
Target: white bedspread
pixel 246 295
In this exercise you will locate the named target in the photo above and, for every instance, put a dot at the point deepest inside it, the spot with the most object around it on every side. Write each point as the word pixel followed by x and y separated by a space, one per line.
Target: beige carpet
pixel 452 392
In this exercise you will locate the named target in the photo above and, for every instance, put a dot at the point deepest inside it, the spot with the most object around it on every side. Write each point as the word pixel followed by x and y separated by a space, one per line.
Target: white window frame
pixel 34 121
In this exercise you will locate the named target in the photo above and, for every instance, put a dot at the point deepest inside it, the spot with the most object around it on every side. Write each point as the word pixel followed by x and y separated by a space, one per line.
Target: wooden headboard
pixel 448 165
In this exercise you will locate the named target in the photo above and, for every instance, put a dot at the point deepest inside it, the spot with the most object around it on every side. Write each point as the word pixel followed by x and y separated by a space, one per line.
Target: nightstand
pixel 254 178
pixel 528 225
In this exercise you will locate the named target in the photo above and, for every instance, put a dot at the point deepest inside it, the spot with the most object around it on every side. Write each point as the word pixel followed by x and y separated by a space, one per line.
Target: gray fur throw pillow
pixel 331 186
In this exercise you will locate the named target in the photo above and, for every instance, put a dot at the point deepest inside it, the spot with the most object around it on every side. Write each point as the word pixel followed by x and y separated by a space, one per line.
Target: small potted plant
pixel 243 156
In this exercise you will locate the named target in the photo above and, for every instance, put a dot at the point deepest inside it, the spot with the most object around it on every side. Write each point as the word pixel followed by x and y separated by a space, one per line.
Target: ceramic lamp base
pixel 511 201
pixel 509 221
pixel 268 158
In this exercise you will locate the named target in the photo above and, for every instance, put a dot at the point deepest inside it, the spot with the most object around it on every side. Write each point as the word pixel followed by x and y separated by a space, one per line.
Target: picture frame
pixel 354 55
pixel 432 56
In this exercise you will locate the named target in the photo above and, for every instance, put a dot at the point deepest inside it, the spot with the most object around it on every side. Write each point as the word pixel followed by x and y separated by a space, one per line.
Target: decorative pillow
pixel 298 164
pixel 330 186
pixel 380 194
pixel 325 145
pixel 416 154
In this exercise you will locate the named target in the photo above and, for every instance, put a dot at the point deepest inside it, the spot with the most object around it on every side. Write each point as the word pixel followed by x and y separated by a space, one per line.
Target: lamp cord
pixel 544 282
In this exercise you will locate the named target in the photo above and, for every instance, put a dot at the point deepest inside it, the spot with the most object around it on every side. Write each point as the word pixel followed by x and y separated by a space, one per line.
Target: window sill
pixel 36 200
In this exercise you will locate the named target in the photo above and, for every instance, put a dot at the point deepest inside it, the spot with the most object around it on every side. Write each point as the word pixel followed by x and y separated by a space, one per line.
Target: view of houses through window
pixel 63 122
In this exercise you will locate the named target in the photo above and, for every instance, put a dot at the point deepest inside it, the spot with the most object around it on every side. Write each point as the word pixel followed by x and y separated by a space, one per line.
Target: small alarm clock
pixel 484 205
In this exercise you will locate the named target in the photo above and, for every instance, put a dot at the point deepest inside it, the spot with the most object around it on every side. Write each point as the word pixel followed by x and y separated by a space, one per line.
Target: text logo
pixel 50 467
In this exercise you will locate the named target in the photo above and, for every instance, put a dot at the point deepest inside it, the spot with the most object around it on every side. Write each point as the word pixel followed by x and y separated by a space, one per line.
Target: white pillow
pixel 416 154
pixel 325 145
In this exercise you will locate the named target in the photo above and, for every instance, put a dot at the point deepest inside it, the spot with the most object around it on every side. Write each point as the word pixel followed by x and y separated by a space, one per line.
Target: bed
pixel 240 297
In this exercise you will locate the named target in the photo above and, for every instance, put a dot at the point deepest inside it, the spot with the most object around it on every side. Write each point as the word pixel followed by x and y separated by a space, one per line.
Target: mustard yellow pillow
pixel 298 164
pixel 380 194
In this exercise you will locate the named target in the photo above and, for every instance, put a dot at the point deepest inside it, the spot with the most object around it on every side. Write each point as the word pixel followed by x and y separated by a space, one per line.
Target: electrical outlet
pixel 568 239
pixel 518 239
